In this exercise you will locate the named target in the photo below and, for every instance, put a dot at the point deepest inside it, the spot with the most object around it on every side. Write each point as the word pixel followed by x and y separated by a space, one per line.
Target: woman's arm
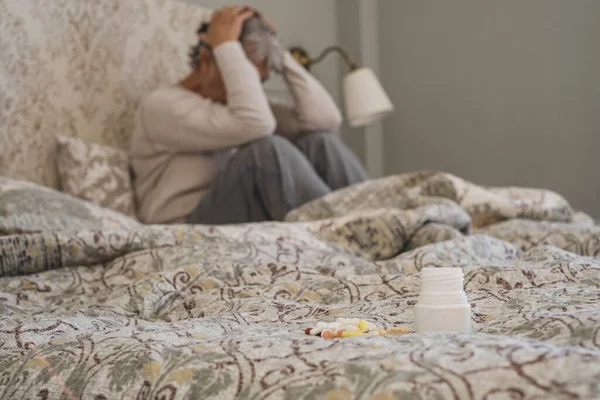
pixel 314 111
pixel 179 120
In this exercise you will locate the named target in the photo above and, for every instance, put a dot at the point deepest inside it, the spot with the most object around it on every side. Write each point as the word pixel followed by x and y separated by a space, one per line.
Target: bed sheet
pixel 122 310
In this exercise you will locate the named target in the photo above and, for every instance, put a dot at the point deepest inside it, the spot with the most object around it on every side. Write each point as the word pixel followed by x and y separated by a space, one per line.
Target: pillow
pixel 26 207
pixel 98 174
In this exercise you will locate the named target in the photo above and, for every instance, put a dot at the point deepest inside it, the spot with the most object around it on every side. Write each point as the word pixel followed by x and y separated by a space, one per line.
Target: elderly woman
pixel 204 152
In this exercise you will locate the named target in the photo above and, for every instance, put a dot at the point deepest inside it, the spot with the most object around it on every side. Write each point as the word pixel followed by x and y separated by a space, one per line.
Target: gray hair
pixel 261 43
pixel 259 40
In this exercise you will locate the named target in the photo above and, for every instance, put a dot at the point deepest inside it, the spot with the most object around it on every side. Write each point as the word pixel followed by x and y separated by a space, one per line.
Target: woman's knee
pixel 270 146
pixel 319 139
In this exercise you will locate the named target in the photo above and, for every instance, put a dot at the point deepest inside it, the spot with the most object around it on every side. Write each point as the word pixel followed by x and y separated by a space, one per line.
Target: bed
pixel 96 305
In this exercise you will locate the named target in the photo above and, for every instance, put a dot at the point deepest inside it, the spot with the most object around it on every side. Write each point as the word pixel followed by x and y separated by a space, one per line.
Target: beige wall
pixel 502 92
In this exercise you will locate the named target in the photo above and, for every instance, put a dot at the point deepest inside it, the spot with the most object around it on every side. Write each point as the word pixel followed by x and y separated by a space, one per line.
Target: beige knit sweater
pixel 182 139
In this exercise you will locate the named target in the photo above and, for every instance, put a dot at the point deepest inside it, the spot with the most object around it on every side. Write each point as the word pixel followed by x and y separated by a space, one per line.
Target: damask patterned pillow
pixel 98 174
pixel 26 207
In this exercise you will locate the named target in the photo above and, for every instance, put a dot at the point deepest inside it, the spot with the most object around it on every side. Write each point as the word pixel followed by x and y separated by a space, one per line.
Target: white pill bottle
pixel 442 305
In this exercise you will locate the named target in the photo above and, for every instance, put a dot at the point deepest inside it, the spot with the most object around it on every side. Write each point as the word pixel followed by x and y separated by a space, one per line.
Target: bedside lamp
pixel 366 101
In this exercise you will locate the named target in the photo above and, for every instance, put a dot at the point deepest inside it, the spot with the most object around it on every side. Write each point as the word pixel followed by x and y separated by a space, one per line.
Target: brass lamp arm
pixel 305 60
pixel 351 64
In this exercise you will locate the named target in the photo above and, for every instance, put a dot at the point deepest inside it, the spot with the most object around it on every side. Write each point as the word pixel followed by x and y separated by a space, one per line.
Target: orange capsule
pixel 398 330
pixel 327 334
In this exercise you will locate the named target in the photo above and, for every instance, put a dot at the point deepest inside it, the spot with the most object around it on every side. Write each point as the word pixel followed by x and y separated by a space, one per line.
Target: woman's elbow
pixel 337 121
pixel 332 122
pixel 264 126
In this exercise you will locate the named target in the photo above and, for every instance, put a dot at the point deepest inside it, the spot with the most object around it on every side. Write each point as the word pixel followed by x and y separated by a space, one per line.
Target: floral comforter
pixel 94 305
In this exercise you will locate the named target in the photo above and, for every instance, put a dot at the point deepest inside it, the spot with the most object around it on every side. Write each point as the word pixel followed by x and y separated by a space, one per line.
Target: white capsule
pixel 350 328
pixel 334 326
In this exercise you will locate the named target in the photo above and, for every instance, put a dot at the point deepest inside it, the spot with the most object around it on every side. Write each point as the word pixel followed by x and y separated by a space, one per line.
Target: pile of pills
pixel 350 327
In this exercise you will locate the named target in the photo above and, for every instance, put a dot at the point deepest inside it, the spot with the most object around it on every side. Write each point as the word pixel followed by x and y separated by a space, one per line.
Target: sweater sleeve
pixel 182 121
pixel 314 111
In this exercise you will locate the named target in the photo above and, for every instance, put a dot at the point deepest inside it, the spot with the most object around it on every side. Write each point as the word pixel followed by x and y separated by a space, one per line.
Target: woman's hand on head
pixel 226 24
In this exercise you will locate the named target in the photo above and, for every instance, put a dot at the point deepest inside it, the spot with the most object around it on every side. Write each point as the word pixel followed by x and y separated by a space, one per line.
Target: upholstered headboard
pixel 78 68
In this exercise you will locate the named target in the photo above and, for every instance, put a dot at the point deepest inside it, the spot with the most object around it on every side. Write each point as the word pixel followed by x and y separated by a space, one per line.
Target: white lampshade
pixel 366 101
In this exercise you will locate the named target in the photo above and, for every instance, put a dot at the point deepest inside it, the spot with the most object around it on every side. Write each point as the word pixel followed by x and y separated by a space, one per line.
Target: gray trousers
pixel 271 176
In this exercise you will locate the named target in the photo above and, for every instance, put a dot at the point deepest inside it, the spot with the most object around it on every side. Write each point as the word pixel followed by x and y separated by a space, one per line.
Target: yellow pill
pixel 363 325
pixel 346 334
pixel 398 330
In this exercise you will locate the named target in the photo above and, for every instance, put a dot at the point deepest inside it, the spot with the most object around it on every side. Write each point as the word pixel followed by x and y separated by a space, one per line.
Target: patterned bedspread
pixel 94 305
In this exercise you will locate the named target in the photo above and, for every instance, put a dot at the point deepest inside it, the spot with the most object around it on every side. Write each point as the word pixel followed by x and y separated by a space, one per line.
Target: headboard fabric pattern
pixel 78 68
